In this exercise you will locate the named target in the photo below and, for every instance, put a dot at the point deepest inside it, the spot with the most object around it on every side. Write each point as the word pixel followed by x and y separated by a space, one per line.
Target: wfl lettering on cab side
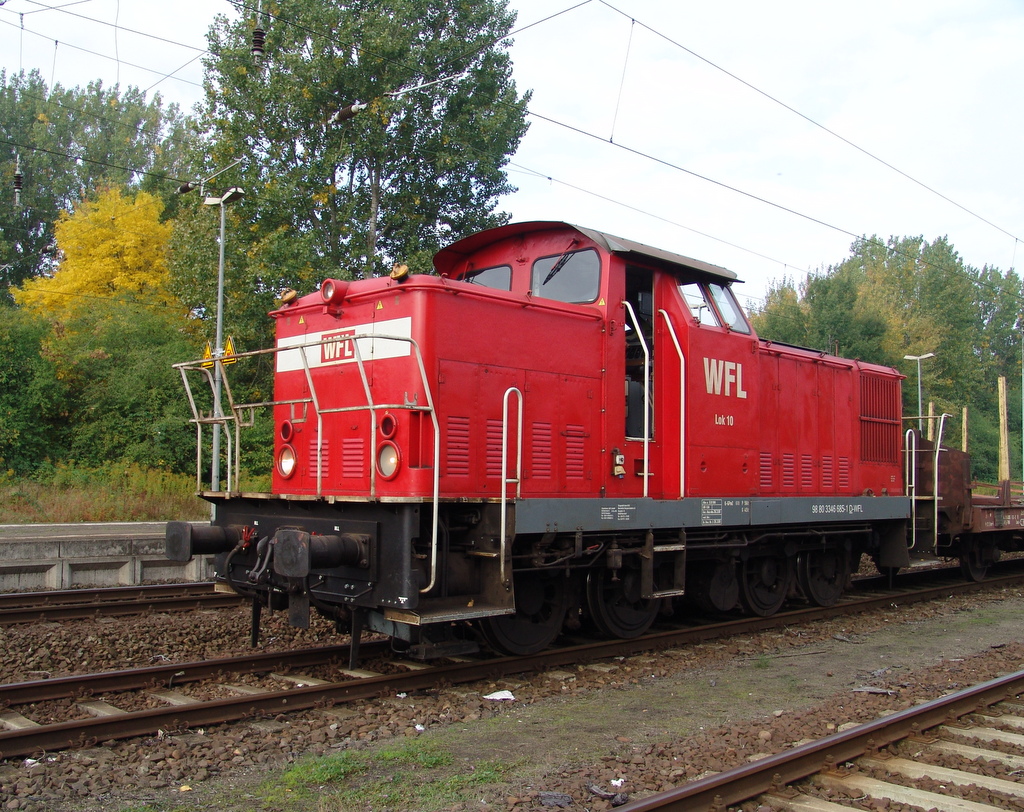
pixel 724 378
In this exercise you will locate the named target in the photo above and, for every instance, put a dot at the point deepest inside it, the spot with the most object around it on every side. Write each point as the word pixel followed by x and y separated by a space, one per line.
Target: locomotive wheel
pixel 823 574
pixel 616 606
pixel 764 583
pixel 542 600
pixel 972 566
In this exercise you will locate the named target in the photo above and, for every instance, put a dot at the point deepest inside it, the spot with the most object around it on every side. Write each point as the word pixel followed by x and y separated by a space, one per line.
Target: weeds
pixel 67 493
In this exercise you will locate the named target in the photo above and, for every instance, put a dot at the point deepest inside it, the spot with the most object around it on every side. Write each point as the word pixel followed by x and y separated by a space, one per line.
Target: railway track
pixel 170 705
pixel 898 759
pixel 71 604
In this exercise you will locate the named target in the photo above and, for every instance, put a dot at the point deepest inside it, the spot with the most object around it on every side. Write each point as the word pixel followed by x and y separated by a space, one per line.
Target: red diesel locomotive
pixel 565 427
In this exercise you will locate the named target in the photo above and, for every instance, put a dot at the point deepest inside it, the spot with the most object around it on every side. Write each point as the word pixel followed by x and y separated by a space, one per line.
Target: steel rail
pixel 85 732
pixel 732 787
pixel 58 597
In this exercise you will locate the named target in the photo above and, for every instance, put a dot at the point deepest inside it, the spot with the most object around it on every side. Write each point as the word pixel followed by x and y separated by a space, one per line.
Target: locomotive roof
pixel 447 258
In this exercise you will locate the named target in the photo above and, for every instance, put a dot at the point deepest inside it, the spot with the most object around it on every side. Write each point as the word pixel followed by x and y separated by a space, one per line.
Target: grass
pixel 411 774
pixel 115 493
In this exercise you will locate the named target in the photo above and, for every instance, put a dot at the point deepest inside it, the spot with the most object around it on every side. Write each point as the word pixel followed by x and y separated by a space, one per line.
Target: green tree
pixel 400 179
pixel 68 143
pixel 782 318
pixel 32 399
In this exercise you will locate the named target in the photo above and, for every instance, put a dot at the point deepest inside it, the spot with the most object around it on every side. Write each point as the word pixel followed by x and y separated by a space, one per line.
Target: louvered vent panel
pixel 540 451
pixel 828 474
pixel 574 454
pixel 457 459
pixel 765 471
pixel 788 470
pixel 493 462
pixel 844 473
pixel 353 458
pixel 807 472
pixel 325 457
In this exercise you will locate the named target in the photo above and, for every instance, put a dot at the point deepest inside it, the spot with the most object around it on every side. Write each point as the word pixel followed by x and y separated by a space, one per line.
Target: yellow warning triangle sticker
pixel 380 305
pixel 600 302
pixel 302 319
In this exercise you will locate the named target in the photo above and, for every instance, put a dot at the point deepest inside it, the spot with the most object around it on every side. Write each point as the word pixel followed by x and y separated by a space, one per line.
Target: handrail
pixel 648 406
pixel 235 410
pixel 505 480
pixel 682 404
pixel 910 476
pixel 935 481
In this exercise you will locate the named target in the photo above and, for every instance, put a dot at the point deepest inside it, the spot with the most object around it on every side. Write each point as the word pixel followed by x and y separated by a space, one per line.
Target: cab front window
pixel 574 276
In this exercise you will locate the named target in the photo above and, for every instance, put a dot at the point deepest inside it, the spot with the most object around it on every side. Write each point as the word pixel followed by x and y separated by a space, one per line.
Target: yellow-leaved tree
pixel 112 246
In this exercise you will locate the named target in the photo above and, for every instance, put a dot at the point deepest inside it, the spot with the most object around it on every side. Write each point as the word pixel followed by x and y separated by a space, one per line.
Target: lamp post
pixel 231 195
pixel 919 359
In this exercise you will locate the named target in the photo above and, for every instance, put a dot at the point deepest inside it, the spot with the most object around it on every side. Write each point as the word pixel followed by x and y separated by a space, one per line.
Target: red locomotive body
pixel 559 426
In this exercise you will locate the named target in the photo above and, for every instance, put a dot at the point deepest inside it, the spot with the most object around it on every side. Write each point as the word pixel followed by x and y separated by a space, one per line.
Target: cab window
pixel 571 277
pixel 729 308
pixel 499 277
pixel 700 308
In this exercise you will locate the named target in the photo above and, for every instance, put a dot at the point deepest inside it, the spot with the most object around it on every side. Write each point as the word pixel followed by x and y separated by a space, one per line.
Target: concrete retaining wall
pixel 61 556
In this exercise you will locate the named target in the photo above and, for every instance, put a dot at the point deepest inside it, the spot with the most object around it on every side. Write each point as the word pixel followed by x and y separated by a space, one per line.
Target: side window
pixel 700 308
pixel 571 277
pixel 729 308
pixel 499 278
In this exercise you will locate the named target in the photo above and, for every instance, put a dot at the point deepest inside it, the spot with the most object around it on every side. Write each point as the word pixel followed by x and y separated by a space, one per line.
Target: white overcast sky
pixel 645 96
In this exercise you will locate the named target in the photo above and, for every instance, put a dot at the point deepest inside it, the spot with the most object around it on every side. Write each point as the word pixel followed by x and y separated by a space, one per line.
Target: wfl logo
pixel 719 375
pixel 336 350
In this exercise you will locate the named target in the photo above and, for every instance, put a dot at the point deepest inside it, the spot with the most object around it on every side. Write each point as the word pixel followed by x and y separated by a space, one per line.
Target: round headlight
pixel 332 291
pixel 286 461
pixel 388 460
pixel 286 430
pixel 388 426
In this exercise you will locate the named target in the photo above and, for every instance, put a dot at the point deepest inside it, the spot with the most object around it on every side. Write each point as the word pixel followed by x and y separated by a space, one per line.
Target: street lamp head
pixel 918 357
pixel 230 196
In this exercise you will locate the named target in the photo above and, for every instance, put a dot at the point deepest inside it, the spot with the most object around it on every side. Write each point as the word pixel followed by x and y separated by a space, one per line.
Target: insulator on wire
pixel 18 181
pixel 259 40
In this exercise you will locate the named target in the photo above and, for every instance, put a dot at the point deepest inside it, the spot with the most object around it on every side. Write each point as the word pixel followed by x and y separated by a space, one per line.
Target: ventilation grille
pixel 788 470
pixel 540 451
pixel 765 471
pixel 574 456
pixel 807 472
pixel 492 468
pixel 879 419
pixel 828 473
pixel 353 457
pixel 325 458
pixel 457 462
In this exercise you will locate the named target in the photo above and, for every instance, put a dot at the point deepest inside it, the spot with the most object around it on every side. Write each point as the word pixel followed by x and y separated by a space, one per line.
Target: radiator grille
pixel 879 419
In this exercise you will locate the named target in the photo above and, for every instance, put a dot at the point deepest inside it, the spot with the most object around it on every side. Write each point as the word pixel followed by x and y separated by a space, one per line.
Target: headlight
pixel 388 460
pixel 286 461
pixel 388 426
